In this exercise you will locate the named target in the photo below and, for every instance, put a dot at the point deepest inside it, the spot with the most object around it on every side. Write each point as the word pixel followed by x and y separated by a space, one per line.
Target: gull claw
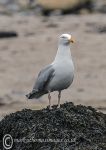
pixel 58 106
pixel 50 107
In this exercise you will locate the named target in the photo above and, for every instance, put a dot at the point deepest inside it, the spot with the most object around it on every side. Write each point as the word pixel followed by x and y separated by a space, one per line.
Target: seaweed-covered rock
pixel 70 128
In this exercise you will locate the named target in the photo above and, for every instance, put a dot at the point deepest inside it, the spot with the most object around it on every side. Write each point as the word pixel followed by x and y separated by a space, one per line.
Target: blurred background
pixel 29 31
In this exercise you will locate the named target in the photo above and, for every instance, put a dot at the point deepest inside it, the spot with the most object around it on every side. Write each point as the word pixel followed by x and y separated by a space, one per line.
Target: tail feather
pixel 35 94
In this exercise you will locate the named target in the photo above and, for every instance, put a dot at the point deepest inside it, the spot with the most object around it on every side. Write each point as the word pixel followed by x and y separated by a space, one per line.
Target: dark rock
pixel 102 29
pixel 100 6
pixel 8 34
pixel 96 27
pixel 70 128
pixel 52 25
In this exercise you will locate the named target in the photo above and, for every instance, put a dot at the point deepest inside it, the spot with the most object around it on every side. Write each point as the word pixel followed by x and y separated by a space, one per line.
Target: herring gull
pixel 58 75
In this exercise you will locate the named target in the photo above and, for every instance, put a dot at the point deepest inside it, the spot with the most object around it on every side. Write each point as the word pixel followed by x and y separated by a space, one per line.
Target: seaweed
pixel 69 127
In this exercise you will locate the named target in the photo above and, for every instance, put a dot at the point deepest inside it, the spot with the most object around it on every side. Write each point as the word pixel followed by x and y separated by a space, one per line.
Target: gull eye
pixel 63 37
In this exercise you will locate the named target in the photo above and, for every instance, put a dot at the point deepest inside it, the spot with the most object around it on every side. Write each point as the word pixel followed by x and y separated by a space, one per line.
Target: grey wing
pixel 44 78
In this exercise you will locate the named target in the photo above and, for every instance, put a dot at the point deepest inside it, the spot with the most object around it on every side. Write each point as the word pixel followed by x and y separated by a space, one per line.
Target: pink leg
pixel 59 96
pixel 49 97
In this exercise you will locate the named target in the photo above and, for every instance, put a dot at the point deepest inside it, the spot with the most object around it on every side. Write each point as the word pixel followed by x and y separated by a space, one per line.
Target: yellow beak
pixel 72 40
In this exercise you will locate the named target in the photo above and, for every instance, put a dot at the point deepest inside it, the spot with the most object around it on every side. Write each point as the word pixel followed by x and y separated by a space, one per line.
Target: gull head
pixel 66 39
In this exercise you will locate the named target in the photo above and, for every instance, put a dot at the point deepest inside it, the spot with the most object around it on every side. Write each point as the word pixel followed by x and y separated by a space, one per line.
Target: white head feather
pixel 65 39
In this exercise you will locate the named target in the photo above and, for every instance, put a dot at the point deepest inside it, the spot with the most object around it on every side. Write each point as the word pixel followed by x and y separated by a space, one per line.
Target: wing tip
pixel 28 96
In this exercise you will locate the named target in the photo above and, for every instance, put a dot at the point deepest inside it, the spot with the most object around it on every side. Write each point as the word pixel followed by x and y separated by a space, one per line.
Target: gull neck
pixel 63 52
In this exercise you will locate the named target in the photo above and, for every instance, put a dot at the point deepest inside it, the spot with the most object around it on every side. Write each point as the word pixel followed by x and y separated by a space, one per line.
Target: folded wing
pixel 44 77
